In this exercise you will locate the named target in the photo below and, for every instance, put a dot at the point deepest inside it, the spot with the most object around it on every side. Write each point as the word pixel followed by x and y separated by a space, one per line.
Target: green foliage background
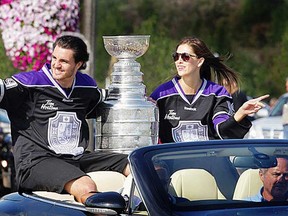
pixel 6 66
pixel 253 32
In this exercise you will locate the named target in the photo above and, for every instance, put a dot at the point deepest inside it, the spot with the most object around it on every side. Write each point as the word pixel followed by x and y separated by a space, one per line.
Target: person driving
pixel 275 183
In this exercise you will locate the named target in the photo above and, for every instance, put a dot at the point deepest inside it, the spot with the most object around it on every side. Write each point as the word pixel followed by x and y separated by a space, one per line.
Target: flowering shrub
pixel 29 28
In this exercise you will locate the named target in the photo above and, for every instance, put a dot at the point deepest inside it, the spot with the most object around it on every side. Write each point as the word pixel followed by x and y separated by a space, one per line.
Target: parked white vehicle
pixel 4 121
pixel 269 127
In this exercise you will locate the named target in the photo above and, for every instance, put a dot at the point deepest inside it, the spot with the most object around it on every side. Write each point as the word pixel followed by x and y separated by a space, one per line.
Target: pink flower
pixel 30 27
pixel 5 2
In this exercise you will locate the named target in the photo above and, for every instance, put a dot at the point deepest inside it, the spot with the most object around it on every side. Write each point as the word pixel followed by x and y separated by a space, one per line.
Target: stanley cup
pixel 126 120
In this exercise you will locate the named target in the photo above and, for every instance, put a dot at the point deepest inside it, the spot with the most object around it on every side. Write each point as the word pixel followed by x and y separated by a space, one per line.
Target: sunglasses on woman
pixel 185 56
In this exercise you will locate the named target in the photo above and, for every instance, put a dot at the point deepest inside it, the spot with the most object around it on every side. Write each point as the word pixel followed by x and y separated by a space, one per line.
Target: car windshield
pixel 277 110
pixel 209 177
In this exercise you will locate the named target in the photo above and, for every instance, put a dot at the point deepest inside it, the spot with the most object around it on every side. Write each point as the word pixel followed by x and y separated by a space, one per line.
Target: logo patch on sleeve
pixel 10 83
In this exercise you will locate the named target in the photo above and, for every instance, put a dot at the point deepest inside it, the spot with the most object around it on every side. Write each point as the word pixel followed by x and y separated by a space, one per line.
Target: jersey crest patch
pixel 10 83
pixel 190 131
pixel 64 134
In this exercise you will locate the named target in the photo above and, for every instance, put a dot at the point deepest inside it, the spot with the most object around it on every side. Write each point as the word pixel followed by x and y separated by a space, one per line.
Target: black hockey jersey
pixel 208 116
pixel 45 120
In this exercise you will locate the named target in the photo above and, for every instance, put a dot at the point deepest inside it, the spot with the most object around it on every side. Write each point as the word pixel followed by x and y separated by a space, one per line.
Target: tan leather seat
pixel 248 184
pixel 105 181
pixel 195 184
pixel 56 196
pixel 108 180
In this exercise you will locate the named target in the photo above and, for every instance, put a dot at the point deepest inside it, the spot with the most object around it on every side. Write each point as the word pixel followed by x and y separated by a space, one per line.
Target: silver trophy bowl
pixel 123 47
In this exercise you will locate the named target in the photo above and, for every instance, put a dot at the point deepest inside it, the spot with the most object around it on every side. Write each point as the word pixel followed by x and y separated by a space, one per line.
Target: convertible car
pixel 194 178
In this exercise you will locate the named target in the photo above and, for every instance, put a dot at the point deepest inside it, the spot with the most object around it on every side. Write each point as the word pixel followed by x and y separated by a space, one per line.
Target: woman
pixel 192 107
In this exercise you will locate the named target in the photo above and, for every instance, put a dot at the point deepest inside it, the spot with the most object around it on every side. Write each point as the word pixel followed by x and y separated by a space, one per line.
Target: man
pixel 47 110
pixel 275 183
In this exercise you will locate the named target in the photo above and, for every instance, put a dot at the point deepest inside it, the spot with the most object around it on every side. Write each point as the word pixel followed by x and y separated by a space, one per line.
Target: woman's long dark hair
pixel 220 72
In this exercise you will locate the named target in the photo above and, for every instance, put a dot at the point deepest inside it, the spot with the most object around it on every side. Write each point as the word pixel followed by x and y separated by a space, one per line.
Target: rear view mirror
pixel 256 161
